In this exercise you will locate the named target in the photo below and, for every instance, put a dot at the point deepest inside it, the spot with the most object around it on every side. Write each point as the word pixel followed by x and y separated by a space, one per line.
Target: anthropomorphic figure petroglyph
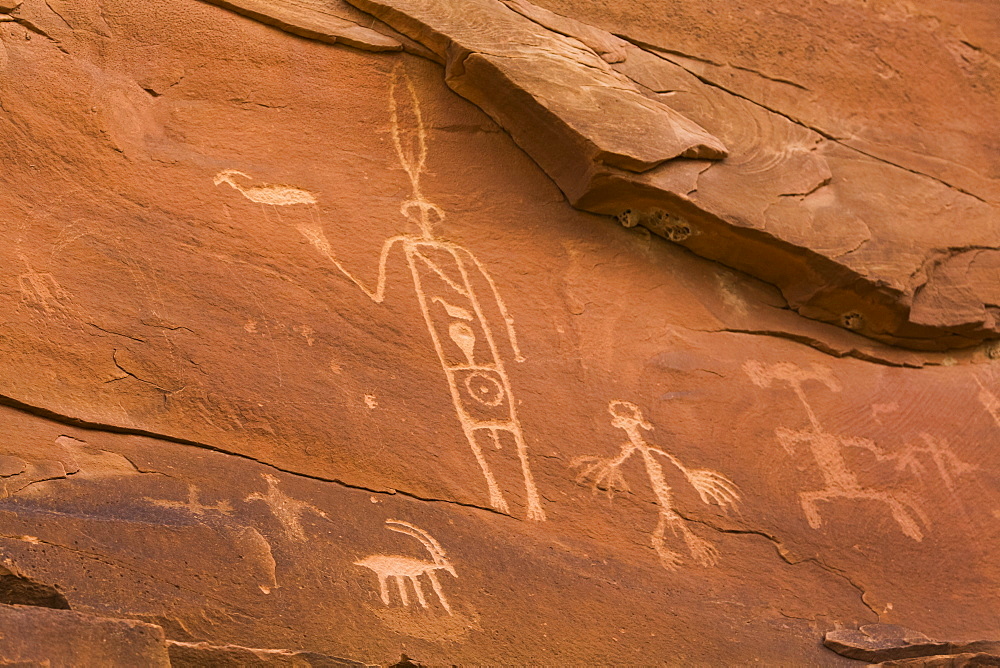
pixel 286 509
pixel 946 463
pixel 839 481
pixel 193 504
pixel 712 487
pixel 445 277
pixel 403 569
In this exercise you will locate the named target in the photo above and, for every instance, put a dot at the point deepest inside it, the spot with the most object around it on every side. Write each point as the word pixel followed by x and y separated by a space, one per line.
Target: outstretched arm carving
pixel 314 233
pixel 712 487
pixel 605 470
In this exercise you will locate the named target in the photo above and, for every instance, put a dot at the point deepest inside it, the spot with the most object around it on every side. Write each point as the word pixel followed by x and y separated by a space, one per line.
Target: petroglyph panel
pixel 463 336
pixel 324 338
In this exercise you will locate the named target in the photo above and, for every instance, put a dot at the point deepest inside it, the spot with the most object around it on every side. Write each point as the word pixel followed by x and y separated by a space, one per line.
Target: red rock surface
pixel 292 329
pixel 39 636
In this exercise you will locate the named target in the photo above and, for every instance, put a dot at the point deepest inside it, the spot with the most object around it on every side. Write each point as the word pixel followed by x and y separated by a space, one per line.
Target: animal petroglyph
pixel 272 195
pixel 444 278
pixel 408 569
pixel 839 481
pixel 193 504
pixel 288 510
pixel 712 487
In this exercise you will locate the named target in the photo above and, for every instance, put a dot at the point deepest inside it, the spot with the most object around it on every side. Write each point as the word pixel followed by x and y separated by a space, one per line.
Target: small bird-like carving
pixel 273 194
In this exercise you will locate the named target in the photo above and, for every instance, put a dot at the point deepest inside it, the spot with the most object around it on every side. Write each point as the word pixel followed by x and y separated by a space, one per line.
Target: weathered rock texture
pixel 306 351
pixel 36 636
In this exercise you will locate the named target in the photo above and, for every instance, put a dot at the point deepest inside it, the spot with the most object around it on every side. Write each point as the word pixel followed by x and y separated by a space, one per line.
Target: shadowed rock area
pixel 480 332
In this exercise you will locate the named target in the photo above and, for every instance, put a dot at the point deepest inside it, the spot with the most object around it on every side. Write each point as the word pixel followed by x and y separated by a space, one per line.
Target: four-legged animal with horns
pixel 403 568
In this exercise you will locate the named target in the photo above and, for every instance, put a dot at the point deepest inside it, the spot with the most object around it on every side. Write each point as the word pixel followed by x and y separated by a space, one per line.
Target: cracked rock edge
pixel 728 178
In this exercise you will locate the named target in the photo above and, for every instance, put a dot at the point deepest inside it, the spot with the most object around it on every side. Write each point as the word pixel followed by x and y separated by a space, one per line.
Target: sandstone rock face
pixel 206 655
pixel 314 22
pixel 320 337
pixel 35 636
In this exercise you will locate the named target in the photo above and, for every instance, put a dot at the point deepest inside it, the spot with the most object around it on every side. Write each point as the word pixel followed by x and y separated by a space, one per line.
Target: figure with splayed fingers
pixel 712 487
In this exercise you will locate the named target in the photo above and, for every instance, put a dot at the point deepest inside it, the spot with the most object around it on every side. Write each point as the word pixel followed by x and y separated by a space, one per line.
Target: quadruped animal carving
pixel 448 281
pixel 712 487
pixel 403 569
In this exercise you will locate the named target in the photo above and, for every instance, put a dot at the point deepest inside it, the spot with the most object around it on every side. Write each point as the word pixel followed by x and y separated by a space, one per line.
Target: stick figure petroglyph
pixel 193 504
pixel 404 569
pixel 444 278
pixel 286 509
pixel 839 481
pixel 712 487
pixel 945 461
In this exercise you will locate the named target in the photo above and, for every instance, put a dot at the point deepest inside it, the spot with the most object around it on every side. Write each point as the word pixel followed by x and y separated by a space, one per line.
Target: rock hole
pixel 671 226
pixel 852 320
pixel 678 232
pixel 627 219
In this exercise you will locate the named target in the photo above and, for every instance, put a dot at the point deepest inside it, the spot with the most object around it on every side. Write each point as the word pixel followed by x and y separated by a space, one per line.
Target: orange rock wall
pixel 292 329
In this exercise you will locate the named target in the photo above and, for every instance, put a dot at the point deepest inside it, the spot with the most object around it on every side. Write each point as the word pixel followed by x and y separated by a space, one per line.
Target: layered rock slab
pixel 313 23
pixel 912 86
pixel 766 209
pixel 42 636
pixel 879 643
pixel 552 94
